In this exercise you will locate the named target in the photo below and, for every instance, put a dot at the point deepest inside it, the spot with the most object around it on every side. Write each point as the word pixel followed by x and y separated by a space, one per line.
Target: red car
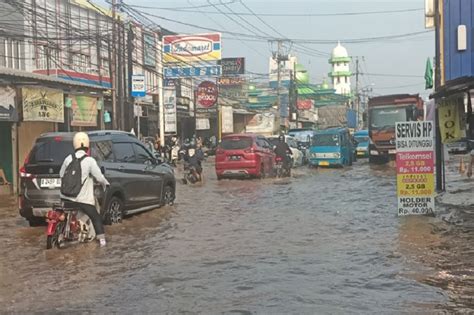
pixel 247 155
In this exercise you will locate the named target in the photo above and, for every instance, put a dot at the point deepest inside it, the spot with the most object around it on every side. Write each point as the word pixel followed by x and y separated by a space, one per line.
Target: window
pixel 338 80
pixel 3 52
pixel 236 143
pixel 142 155
pixel 102 151
pixel 50 151
pixel 124 152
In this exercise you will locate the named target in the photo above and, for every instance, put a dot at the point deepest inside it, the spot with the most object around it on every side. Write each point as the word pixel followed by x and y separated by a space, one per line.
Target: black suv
pixel 138 181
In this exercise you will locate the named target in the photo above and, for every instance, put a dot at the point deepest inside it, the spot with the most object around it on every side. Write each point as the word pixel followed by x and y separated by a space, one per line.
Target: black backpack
pixel 71 183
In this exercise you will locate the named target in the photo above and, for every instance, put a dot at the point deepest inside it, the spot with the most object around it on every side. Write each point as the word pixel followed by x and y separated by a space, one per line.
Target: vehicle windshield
pixel 387 117
pixel 362 139
pixel 50 151
pixel 329 140
pixel 236 143
pixel 301 135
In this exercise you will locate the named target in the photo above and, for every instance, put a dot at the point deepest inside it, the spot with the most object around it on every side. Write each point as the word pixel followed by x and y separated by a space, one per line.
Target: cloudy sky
pixel 389 65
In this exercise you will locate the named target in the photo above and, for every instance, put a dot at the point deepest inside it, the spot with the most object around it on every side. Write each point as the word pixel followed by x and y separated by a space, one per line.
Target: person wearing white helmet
pixel 85 199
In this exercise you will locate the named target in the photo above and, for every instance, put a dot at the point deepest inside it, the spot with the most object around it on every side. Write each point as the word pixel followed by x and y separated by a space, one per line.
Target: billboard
pixel 305 104
pixel 41 104
pixel 206 96
pixel 84 111
pixel 149 51
pixel 286 68
pixel 232 66
pixel 169 103
pixel 191 48
pixel 415 167
pixel 192 71
pixel 8 110
pixel 263 123
pixel 227 113
pixel 138 85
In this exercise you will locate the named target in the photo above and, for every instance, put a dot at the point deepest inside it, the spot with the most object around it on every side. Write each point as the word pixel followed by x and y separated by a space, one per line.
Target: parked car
pixel 332 147
pixel 246 155
pixel 298 156
pixel 138 181
pixel 458 147
pixel 362 138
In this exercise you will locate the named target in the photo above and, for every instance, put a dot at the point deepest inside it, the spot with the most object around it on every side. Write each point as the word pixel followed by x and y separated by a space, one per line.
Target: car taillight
pixel 278 159
pixel 23 173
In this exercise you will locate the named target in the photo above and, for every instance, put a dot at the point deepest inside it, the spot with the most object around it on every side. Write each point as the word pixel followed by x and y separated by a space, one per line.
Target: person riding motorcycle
pixel 193 159
pixel 283 151
pixel 85 200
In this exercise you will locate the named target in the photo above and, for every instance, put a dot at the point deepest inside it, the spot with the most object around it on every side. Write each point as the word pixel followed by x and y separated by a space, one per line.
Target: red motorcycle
pixel 67 225
pixel 282 169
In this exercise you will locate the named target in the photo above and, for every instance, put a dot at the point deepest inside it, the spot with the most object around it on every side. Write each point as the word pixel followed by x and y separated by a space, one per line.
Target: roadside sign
pixel 415 167
pixel 193 71
pixel 138 85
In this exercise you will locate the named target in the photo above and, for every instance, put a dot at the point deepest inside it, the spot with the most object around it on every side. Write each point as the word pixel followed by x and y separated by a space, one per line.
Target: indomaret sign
pixel 415 167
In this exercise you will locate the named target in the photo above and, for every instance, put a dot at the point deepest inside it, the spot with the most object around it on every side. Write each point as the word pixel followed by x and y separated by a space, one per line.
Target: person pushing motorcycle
pixel 282 150
pixel 84 200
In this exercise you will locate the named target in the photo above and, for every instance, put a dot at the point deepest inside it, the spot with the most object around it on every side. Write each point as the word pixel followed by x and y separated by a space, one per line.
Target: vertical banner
pixel 227 113
pixel 84 111
pixel 450 119
pixel 415 167
pixel 169 96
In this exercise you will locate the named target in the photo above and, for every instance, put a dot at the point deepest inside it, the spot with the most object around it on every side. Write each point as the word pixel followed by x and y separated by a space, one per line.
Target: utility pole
pixel 161 108
pixel 130 49
pixel 279 55
pixel 113 66
pixel 438 144
pixel 357 92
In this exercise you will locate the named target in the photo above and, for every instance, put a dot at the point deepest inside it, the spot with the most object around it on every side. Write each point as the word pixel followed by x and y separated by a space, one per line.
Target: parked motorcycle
pixel 282 169
pixel 68 225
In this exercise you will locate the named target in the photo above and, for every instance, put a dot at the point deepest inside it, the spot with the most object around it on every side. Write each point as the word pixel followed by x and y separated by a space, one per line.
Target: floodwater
pixel 324 241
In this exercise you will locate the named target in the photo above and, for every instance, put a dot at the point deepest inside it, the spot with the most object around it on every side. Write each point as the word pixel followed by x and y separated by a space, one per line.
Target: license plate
pixel 50 182
pixel 324 163
pixel 392 151
pixel 360 153
pixel 235 157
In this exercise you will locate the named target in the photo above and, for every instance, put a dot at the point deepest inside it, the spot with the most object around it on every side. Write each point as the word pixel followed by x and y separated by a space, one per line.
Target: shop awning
pixel 14 76
pixel 456 86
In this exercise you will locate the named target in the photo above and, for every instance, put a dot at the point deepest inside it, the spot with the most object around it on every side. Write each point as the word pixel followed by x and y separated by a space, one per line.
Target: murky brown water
pixel 325 241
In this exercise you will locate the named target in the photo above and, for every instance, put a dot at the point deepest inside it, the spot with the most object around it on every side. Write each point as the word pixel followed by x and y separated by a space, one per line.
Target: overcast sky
pixel 389 57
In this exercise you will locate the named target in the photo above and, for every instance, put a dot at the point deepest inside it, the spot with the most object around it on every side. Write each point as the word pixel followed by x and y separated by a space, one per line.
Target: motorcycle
pixel 191 174
pixel 282 169
pixel 68 225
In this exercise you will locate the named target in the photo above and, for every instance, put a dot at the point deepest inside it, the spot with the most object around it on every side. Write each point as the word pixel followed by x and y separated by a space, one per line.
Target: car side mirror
pixel 102 170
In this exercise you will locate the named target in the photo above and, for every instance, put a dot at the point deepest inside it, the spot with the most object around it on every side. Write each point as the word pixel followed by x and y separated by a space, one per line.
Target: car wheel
pixel 168 196
pixel 114 211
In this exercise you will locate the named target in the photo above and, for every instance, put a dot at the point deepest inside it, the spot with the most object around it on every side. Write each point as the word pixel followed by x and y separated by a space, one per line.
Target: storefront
pixel 8 120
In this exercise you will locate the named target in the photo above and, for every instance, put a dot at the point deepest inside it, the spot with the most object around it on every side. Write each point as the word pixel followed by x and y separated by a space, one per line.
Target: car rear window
pixel 236 143
pixel 50 151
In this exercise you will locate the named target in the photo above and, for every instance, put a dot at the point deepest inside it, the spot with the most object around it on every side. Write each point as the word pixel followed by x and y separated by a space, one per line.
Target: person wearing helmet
pixel 193 159
pixel 282 150
pixel 85 199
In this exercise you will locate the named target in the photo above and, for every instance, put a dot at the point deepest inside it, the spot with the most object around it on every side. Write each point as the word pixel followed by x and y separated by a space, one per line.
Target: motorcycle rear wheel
pixel 53 240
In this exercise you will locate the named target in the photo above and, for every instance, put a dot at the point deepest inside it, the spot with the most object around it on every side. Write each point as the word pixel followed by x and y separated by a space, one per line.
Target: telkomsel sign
pixel 415 167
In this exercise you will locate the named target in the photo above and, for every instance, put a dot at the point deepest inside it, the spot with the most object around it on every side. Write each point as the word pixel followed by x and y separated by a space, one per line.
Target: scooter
pixel 191 175
pixel 68 225
pixel 281 169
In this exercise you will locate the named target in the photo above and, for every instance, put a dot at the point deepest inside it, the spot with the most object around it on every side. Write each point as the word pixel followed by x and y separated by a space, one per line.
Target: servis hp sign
pixel 206 96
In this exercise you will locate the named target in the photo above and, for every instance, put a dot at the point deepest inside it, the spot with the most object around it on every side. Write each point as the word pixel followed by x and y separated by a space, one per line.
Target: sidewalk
pixel 459 188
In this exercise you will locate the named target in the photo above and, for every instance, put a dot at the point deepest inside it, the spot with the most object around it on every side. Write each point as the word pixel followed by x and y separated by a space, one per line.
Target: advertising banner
pixel 41 104
pixel 206 97
pixel 169 103
pixel 450 119
pixel 305 104
pixel 8 110
pixel 415 167
pixel 191 48
pixel 138 85
pixel 261 123
pixel 192 71
pixel 232 66
pixel 149 51
pixel 84 110
pixel 227 113
pixel 203 124
pixel 230 81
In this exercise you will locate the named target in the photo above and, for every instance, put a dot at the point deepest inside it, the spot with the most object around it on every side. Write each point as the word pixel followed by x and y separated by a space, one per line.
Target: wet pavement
pixel 324 241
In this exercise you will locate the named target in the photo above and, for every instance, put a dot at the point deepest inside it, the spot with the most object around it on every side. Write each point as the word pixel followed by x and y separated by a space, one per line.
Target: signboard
pixel 203 124
pixel 227 113
pixel 232 66
pixel 450 119
pixel 8 110
pixel 305 104
pixel 138 85
pixel 149 50
pixel 230 81
pixel 192 71
pixel 261 123
pixel 84 110
pixel 41 104
pixel 191 48
pixel 415 167
pixel 286 67
pixel 169 103
pixel 206 96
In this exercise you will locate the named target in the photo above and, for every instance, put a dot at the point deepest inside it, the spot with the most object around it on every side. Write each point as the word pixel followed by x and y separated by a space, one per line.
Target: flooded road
pixel 324 241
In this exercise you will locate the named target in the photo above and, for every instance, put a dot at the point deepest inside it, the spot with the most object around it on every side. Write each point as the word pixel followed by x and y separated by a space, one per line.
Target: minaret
pixel 341 72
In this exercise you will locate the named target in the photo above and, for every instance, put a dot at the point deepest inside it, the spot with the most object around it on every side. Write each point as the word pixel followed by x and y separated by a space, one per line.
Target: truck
pixel 383 113
pixel 332 116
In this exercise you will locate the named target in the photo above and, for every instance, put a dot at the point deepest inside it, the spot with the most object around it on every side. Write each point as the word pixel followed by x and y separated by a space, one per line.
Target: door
pixel 264 149
pixel 152 176
pixel 129 174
